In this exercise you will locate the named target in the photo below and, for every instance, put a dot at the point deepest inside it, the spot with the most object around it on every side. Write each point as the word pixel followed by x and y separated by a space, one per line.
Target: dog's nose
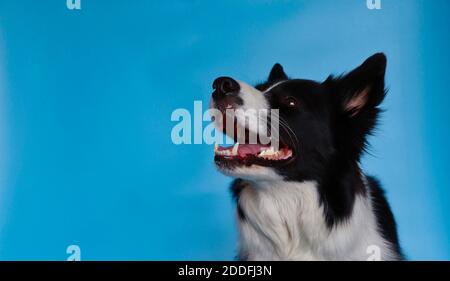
pixel 224 86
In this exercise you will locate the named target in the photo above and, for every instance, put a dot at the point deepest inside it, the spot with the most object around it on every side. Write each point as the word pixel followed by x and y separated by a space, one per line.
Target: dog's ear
pixel 357 96
pixel 363 88
pixel 277 73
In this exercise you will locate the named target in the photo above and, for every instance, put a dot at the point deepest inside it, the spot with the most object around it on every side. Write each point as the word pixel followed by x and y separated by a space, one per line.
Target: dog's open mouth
pixel 246 153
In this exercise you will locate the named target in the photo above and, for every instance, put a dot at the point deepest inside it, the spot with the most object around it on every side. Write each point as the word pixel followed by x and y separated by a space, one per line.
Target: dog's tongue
pixel 246 149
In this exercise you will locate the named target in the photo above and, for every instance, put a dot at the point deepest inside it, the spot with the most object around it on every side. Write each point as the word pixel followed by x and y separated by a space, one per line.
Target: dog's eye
pixel 291 102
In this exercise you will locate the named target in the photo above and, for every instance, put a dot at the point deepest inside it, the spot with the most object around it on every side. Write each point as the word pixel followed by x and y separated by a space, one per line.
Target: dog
pixel 308 199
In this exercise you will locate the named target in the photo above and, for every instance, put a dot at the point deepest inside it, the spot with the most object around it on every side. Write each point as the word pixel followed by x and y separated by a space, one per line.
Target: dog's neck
pixel 274 214
pixel 282 220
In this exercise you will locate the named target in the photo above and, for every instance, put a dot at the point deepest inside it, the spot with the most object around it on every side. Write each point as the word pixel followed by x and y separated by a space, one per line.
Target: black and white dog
pixel 308 199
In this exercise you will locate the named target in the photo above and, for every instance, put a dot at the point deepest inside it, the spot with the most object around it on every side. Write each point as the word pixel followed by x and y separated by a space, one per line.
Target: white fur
pixel 252 114
pixel 253 102
pixel 285 221
pixel 252 97
pixel 274 85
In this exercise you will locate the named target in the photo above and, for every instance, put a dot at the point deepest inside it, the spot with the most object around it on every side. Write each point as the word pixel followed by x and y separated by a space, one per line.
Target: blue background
pixel 86 97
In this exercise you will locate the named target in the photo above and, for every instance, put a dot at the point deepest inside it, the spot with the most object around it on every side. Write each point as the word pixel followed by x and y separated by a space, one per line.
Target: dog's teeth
pixel 272 154
pixel 216 147
pixel 267 152
pixel 235 149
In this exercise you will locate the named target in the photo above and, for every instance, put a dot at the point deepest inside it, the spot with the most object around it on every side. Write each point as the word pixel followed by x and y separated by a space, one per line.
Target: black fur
pixel 236 187
pixel 385 218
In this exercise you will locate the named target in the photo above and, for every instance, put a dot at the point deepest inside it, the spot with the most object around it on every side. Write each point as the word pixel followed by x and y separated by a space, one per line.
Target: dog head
pixel 319 124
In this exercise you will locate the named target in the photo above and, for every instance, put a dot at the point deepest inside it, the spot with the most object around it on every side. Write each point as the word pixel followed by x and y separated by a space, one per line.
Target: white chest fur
pixel 285 221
